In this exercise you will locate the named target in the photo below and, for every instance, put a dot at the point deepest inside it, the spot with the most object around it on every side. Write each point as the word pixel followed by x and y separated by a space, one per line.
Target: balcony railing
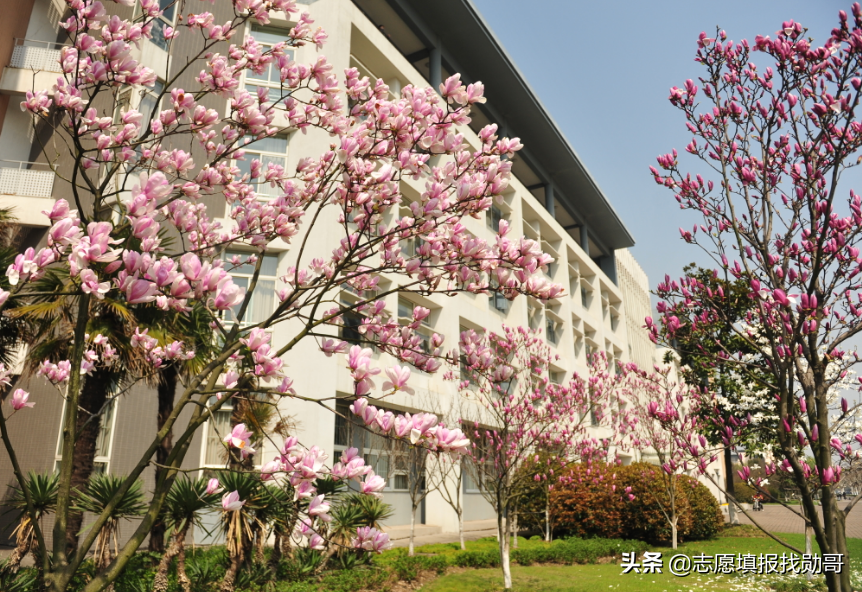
pixel 29 54
pixel 20 178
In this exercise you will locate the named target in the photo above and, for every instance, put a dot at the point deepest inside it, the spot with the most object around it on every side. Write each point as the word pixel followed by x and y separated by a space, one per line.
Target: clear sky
pixel 603 71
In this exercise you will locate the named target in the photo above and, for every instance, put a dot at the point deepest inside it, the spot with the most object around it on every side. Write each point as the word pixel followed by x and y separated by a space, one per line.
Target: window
pixel 473 474
pixel 270 78
pixel 218 427
pixel 169 12
pixel 376 452
pixel 466 374
pixel 343 431
pixel 424 332
pixel 493 216
pixel 272 149
pixel 104 439
pixel 585 298
pixel 557 377
pixel 551 329
pixel 150 103
pixel 499 302
pixel 262 302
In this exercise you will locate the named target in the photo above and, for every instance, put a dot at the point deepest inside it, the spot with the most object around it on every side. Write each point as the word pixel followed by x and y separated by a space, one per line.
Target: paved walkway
pixel 777 518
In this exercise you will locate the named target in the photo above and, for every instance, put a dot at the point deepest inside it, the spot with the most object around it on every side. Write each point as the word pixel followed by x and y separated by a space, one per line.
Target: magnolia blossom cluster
pixel 301 467
pixel 421 429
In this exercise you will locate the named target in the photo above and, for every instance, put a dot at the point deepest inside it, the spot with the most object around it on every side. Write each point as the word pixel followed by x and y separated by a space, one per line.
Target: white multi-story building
pixel 552 199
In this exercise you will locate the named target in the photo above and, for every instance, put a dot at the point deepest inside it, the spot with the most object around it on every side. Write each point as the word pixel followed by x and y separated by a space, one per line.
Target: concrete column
pixel 549 198
pixel 436 68
pixel 585 239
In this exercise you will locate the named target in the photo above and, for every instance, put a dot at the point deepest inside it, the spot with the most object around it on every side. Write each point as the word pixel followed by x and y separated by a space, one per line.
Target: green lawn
pixel 608 577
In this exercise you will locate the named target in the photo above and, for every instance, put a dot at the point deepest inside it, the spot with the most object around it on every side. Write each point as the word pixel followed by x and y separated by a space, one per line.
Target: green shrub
pixel 591 502
pixel 707 519
pixel 408 568
pixel 476 559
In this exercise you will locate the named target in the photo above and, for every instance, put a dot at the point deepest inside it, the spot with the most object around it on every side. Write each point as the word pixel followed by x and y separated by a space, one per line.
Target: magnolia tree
pixel 138 177
pixel 662 422
pixel 518 412
pixel 774 129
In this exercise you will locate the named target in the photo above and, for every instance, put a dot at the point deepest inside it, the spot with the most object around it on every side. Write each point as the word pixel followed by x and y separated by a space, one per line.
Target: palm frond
pixel 103 489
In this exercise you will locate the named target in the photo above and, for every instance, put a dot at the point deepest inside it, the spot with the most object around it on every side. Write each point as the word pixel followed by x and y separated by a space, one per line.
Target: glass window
pixel 218 427
pixel 551 329
pixel 270 77
pixel 149 106
pixel 493 216
pixel 342 425
pixel 498 301
pixel 104 439
pixel 169 11
pixel 424 332
pixel 263 300
pixel 267 150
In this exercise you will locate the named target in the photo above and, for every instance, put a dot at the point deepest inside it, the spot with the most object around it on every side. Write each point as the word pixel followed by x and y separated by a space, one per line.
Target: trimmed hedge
pixel 591 503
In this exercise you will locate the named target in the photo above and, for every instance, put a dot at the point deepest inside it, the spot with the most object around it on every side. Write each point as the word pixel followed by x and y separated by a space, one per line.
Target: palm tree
pixel 237 524
pixel 52 319
pixel 43 494
pixel 13 331
pixel 101 491
pixel 184 502
pixel 192 328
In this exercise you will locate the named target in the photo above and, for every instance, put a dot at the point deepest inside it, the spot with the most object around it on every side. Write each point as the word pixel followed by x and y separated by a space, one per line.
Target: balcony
pixel 34 66
pixel 26 187
pixel 36 55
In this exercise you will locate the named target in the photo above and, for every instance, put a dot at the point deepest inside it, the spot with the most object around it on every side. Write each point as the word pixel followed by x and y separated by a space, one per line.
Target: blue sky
pixel 603 70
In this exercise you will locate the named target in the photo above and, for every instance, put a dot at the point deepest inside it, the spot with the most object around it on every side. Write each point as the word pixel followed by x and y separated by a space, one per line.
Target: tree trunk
pixel 167 388
pixel 94 394
pixel 461 529
pixel 730 493
pixel 259 544
pixel 412 530
pixel 182 576
pixel 275 556
pixel 547 516
pixel 673 521
pixel 160 583
pixel 229 582
pixel 502 531
pixel 23 546
pixel 515 530
pixel 841 547
pixel 808 575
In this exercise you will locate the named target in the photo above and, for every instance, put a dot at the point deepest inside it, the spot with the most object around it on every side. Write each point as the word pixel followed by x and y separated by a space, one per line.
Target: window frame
pixel 247 276
pixel 101 460
pixel 249 81
pixel 253 151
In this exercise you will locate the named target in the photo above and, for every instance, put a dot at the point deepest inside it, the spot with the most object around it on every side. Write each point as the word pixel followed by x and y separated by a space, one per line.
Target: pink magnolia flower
pixel 19 400
pixel 371 539
pixel 268 470
pixel 373 484
pixel 319 507
pixel 316 542
pixel 230 502
pixel 398 377
pixel 213 486
pixel 240 438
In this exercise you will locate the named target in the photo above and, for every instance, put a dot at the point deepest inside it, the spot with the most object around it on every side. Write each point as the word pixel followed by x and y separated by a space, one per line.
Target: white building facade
pixel 552 199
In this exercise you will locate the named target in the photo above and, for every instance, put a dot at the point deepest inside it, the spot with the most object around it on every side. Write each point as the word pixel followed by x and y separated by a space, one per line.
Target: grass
pixel 560 578
pixel 608 576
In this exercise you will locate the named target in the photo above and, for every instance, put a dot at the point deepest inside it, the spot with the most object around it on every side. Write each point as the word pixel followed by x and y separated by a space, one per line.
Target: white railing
pixel 19 178
pixel 29 54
